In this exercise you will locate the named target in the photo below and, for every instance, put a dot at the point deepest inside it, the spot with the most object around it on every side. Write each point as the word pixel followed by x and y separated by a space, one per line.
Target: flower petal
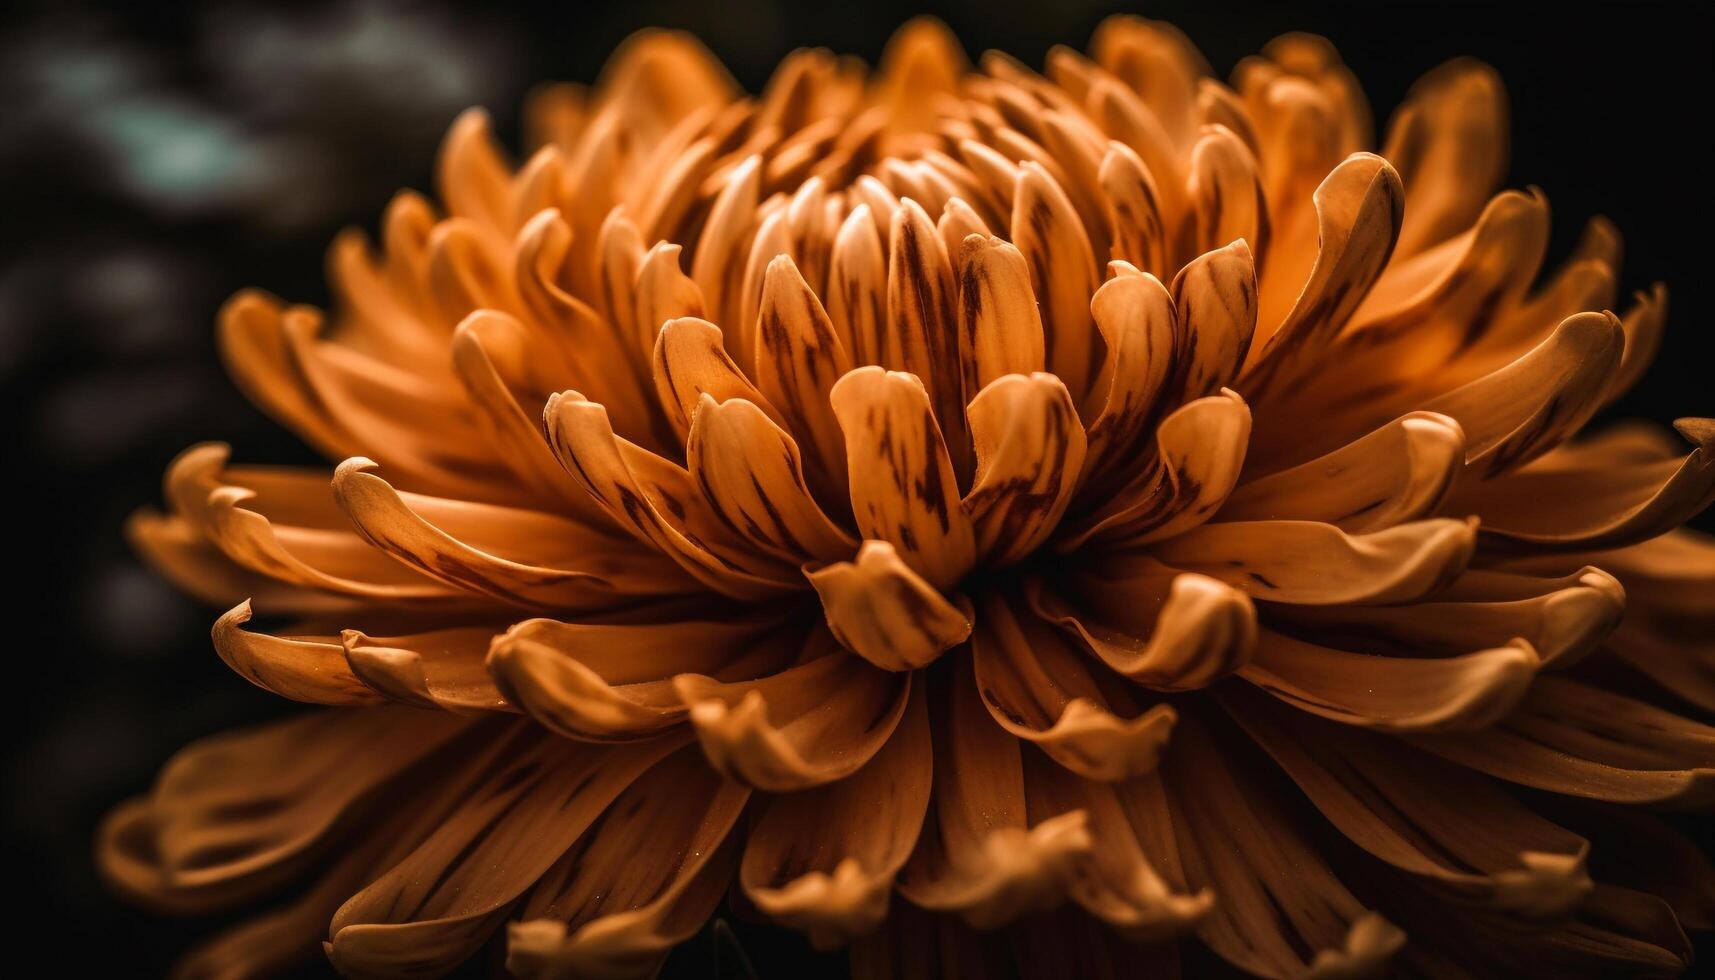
pixel 1449 141
pixel 1133 208
pixel 857 286
pixel 1397 694
pixel 1398 473
pixel 437 905
pixel 1458 830
pixel 1200 452
pixel 1052 239
pixel 884 612
pixel 651 498
pixel 1227 199
pixel 811 724
pixel 1576 740
pixel 1318 564
pixel 1000 330
pixel 1515 414
pixel 390 523
pixel 233 816
pixel 824 860
pixel 799 358
pixel 903 487
pixel 617 902
pixel 750 471
pixel 1358 208
pixel 310 669
pixel 1135 317
pixel 1117 879
pixel 1172 632
pixel 1038 689
pixel 978 855
pixel 1030 448
pixel 602 682
pixel 1279 910
pixel 1214 297
pixel 1563 619
pixel 436 669
pixel 691 361
pixel 1584 497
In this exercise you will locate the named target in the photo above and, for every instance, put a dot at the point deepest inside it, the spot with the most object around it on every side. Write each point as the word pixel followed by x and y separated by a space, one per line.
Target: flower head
pixel 1104 504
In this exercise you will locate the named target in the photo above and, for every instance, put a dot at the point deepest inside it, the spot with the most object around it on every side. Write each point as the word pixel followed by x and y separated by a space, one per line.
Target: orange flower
pixel 1107 505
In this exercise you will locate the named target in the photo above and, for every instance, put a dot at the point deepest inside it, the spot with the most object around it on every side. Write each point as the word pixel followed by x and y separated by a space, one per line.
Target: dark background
pixel 154 158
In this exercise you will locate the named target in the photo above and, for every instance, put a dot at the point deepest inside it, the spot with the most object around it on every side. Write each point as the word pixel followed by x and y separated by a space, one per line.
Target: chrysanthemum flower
pixel 1103 506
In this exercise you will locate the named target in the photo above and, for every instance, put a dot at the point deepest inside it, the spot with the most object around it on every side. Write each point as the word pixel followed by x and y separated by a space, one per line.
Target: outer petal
pixel 1167 631
pixel 1398 473
pixel 1038 689
pixel 978 855
pixel 234 816
pixel 1588 497
pixel 1456 829
pixel 884 612
pixel 1570 738
pixel 615 903
pixel 1118 879
pixel 812 724
pixel 434 908
pixel 1401 694
pixel 824 860
pixel 1318 564
pixel 1280 912
pixel 1563 619
pixel 604 682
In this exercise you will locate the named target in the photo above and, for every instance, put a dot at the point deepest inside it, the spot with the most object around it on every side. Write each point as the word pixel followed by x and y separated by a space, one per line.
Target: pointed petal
pixel 1524 409
pixel 1214 297
pixel 824 860
pixel 884 612
pixel 1396 474
pixel 1172 634
pixel 1318 564
pixel 648 496
pixel 902 485
pixel 1038 689
pixel 236 815
pixel 389 522
pixel 1358 210
pixel 1134 314
pixel 617 902
pixel 1000 330
pixel 1459 831
pixel 750 471
pixel 1052 239
pixel 1030 448
pixel 1397 694
pixel 1200 452
pixel 691 361
pixel 435 669
pixel 601 682
pixel 799 358
pixel 1563 619
pixel 1586 497
pixel 978 855
pixel 809 725
pixel 1577 740
pixel 300 668
pixel 437 905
